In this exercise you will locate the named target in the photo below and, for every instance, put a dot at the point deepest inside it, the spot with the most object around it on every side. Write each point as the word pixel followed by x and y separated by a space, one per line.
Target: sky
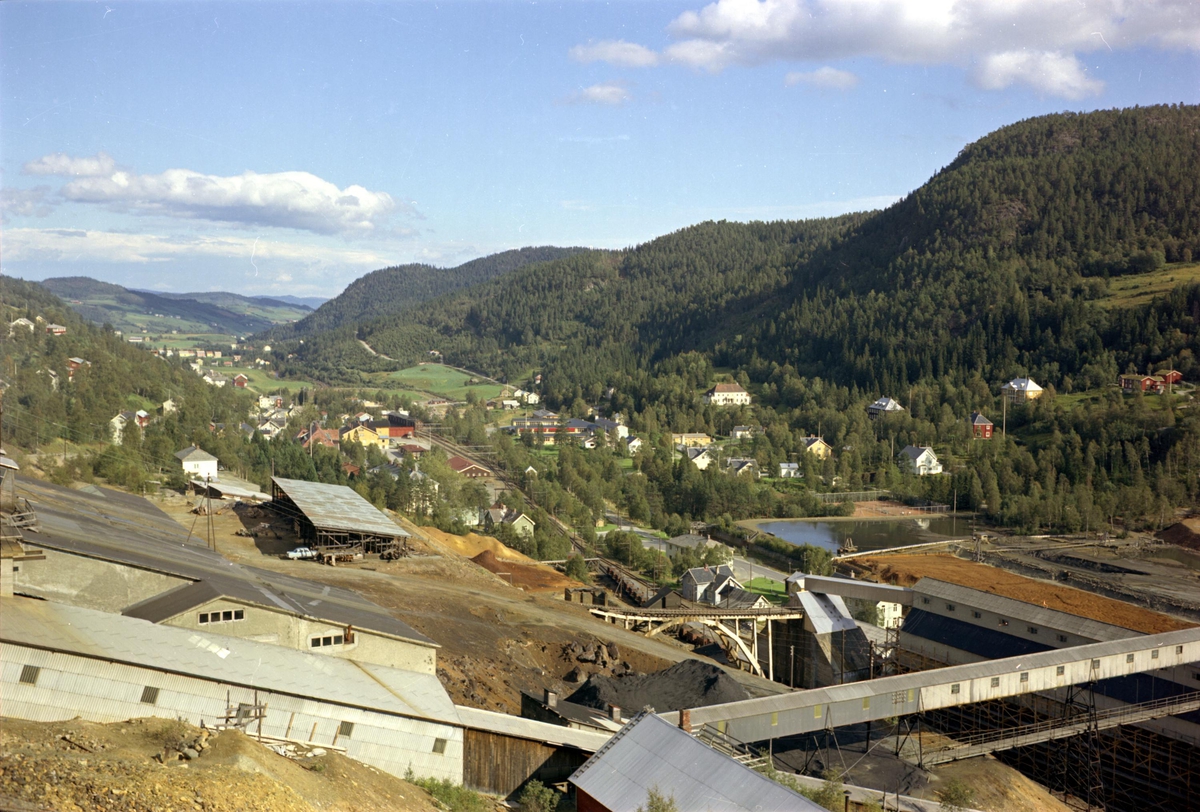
pixel 289 148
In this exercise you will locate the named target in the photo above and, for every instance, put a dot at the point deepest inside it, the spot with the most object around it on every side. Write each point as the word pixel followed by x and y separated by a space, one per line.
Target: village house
pixel 363 435
pixel 393 427
pixel 981 427
pixel 691 439
pixel 727 394
pixel 169 406
pixel 744 432
pixel 610 427
pixel 817 447
pixel 318 436
pixel 1021 390
pixel 498 514
pixel 883 407
pixel 920 460
pixel 73 366
pixel 633 445
pixel 717 586
pixel 742 466
pixel 117 425
pixel 21 322
pixel 215 379
pixel 197 463
pixel 1154 384
pixel 464 467
pixel 698 544
pixel 790 470
pixel 55 329
pixel 240 380
pixel 700 457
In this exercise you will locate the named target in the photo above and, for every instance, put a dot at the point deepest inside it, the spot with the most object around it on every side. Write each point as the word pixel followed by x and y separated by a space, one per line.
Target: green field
pixel 262 382
pixel 775 591
pixel 434 379
pixel 1138 289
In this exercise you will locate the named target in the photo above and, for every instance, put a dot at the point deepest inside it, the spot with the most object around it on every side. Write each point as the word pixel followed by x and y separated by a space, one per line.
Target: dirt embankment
pixel 472 544
pixel 141 766
pixel 530 577
pixel 906 570
pixel 1185 533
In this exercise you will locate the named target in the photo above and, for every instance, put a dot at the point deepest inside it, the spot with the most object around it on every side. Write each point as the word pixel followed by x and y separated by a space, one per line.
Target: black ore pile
pixel 687 684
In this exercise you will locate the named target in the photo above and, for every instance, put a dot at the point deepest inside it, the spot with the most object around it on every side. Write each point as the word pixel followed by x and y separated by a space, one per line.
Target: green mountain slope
pixel 136 311
pixel 391 290
pixel 987 269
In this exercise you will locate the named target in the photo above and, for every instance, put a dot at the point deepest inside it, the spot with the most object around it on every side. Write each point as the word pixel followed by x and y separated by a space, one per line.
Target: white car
pixel 301 552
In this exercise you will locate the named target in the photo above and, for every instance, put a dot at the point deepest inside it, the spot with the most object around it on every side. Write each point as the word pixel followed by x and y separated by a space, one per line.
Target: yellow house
pixel 690 440
pixel 817 447
pixel 364 436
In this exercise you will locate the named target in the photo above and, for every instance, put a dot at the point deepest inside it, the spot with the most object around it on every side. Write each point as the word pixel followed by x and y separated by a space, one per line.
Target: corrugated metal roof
pixel 531 729
pixel 650 753
pixel 229 660
pixel 336 507
pixel 825 613
pixel 130 530
pixel 1020 610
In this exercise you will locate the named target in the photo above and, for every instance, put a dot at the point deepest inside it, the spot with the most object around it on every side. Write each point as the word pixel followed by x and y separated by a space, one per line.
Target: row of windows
pixel 223 617
pixel 328 640
pixel 950 607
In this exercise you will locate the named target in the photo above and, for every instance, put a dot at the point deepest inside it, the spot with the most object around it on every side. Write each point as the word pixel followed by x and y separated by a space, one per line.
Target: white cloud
pixel 297 200
pixel 62 164
pixel 609 93
pixel 615 52
pixel 1054 73
pixel 58 244
pixel 826 78
pixel 986 33
pixel 33 202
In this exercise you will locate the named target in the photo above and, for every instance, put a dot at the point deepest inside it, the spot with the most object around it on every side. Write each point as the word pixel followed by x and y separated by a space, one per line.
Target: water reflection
pixel 867 535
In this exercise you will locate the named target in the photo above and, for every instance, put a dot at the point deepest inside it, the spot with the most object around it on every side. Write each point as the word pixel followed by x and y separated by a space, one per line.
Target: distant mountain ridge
pixel 225 299
pixel 391 290
pixel 138 310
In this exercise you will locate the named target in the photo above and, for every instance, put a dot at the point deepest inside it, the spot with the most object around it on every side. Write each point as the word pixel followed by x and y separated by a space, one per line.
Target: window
pixel 338 639
pixel 1031 629
pixel 345 729
pixel 149 695
pixel 1179 649
pixel 956 688
pixel 898 697
pixel 327 640
pixel 439 746
pixel 223 617
pixel 977 615
pixel 774 719
pixel 1003 622
pixel 1154 654
pixel 316 641
pixel 1062 638
pixel 925 601
pixel 816 711
pixel 1024 676
pixel 995 682
pixel 949 607
pixel 1060 671
pixel 1128 658
pixel 866 703
pixel 1095 664
pixel 29 674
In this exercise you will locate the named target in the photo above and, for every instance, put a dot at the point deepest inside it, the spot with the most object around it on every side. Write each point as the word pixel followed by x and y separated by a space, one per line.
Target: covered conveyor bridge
pixel 802 712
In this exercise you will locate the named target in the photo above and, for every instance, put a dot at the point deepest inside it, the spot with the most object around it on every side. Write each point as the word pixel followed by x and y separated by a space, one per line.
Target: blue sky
pixel 289 148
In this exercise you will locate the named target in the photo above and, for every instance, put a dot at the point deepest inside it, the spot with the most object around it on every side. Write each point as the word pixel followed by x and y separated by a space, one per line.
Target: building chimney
pixel 685 720
pixel 551 699
pixel 614 713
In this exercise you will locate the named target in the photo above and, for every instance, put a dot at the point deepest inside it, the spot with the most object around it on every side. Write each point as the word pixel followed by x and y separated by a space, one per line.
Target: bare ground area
pixel 77 765
pixel 906 570
pixel 497 639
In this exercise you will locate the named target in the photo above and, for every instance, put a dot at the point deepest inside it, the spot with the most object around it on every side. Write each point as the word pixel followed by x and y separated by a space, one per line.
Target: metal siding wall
pixel 101 691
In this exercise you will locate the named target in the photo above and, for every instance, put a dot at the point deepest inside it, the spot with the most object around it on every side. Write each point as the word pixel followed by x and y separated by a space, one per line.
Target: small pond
pixel 874 534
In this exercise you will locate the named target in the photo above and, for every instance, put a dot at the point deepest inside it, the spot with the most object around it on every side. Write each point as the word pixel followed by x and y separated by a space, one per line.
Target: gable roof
pixel 1023 385
pixel 915 452
pixel 651 753
pixel 977 419
pixel 727 389
pixel 886 404
pixel 194 454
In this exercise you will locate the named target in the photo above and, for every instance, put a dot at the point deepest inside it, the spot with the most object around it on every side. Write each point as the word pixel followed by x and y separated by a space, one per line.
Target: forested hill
pixel 137 310
pixel 391 290
pixel 987 269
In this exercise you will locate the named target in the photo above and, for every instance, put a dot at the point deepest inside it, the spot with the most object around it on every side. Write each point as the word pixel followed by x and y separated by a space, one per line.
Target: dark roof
pixel 978 419
pixel 688 540
pixel 129 530
pixel 980 640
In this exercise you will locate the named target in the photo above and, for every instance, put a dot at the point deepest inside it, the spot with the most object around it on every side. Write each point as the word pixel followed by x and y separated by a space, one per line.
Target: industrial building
pixel 334 517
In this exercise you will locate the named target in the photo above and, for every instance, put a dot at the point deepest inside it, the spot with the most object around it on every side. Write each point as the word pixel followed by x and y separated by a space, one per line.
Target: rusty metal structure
pixel 336 519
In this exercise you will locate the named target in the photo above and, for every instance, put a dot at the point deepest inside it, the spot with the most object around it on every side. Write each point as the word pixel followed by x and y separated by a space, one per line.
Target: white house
pixel 790 470
pixel 21 322
pixel 1020 390
pixel 883 407
pixel 921 460
pixel 727 394
pixel 700 457
pixel 633 444
pixel 197 463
